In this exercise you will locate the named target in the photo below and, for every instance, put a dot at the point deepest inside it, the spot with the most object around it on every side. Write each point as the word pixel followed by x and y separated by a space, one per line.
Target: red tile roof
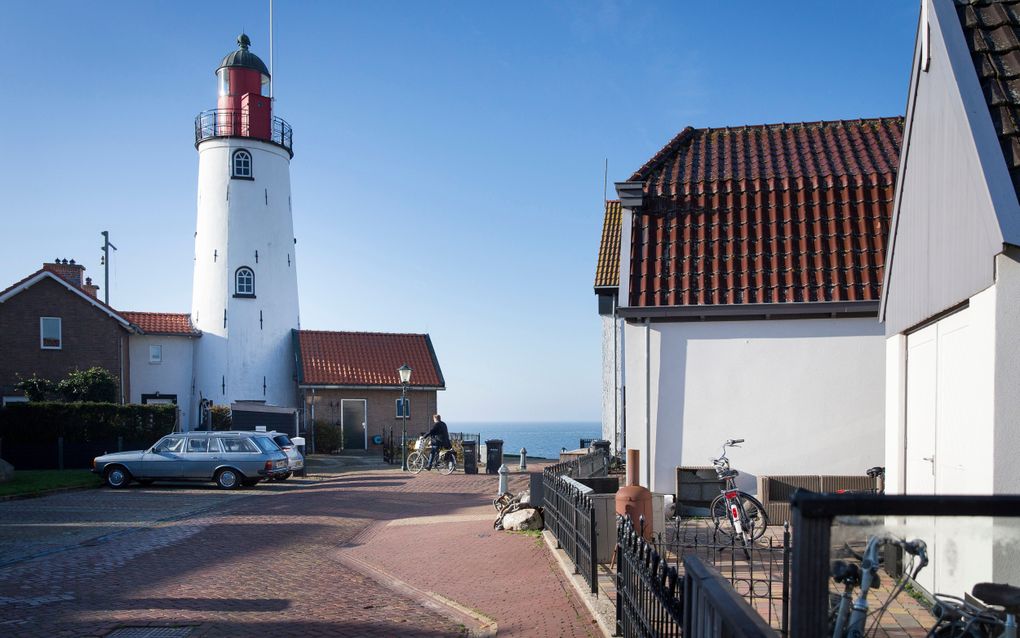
pixel 163 323
pixel 775 213
pixel 365 359
pixel 607 269
pixel 992 30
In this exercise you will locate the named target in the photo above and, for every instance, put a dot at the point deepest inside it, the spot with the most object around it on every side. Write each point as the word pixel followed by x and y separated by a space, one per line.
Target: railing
pixel 763 580
pixel 713 609
pixel 594 464
pixel 570 516
pixel 649 593
pixel 235 123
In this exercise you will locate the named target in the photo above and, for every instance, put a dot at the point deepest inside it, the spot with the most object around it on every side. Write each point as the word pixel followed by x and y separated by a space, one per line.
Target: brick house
pixel 350 379
pixel 52 323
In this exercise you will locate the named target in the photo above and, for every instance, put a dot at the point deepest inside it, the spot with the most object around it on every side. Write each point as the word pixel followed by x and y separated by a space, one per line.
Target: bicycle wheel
pixel 754 521
pixel 449 465
pixel 415 462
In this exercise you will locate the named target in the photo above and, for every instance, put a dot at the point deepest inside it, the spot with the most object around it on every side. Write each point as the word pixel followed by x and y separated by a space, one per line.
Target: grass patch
pixel 35 481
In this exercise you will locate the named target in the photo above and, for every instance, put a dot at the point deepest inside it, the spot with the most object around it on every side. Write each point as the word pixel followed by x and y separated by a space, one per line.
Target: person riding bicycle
pixel 440 438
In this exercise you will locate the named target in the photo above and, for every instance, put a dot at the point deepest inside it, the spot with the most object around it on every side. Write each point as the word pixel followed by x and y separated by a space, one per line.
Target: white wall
pixel 612 404
pixel 235 218
pixel 1007 375
pixel 806 394
pixel 172 376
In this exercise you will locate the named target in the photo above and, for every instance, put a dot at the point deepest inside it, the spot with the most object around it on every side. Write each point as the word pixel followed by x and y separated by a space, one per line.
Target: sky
pixel 449 160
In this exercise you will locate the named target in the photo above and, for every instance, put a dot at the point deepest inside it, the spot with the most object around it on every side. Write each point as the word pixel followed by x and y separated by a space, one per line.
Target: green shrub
pixel 328 437
pixel 96 384
pixel 84 422
pixel 35 387
pixel 221 419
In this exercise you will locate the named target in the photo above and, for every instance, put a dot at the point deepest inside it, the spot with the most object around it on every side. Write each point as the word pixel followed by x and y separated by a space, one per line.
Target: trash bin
pixel 493 455
pixel 470 457
pixel 601 444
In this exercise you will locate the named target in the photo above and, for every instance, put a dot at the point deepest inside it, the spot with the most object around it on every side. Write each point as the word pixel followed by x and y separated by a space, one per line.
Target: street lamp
pixel 405 377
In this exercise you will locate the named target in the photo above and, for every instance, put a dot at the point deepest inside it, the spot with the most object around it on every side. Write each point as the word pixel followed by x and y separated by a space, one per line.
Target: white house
pixel 951 300
pixel 162 353
pixel 607 285
pixel 750 271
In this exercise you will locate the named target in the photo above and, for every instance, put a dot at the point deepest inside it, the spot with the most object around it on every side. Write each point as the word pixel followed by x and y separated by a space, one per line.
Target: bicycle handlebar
pixel 733 442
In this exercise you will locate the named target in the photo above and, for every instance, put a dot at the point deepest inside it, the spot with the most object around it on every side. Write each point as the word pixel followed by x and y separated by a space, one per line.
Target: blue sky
pixel 448 170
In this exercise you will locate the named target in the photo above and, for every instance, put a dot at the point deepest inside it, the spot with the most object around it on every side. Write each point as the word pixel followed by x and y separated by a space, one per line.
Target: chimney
pixel 90 289
pixel 69 271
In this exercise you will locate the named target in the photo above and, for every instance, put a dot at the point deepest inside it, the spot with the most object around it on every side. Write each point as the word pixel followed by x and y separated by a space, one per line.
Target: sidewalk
pixel 488 580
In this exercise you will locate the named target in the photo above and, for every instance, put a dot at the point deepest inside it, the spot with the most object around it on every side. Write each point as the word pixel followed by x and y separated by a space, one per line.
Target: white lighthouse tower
pixel 244 298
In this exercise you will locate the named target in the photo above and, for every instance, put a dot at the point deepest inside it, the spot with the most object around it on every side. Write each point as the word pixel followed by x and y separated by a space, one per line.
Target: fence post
pixel 786 578
pixel 593 547
pixel 60 452
pixel 620 561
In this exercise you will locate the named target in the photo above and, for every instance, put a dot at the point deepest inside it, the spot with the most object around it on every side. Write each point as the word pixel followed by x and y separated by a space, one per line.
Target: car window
pixel 267 444
pixel 214 445
pixel 198 445
pixel 237 444
pixel 170 444
pixel 283 440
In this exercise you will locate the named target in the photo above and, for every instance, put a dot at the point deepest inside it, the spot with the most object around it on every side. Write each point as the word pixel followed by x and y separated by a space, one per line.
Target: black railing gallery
pixel 235 123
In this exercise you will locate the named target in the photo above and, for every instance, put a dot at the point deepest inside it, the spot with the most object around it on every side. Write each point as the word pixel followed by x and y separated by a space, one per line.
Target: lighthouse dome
pixel 244 58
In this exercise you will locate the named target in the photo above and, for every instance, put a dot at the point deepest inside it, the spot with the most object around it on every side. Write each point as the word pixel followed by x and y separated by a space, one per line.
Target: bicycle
pixel 418 460
pixel 848 616
pixel 745 515
pixel 957 618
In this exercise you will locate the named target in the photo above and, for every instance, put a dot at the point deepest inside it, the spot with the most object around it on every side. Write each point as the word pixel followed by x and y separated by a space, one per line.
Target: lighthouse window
pixel 242 164
pixel 244 282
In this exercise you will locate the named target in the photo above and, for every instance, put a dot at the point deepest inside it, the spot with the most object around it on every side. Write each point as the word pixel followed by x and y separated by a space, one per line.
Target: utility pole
pixel 106 265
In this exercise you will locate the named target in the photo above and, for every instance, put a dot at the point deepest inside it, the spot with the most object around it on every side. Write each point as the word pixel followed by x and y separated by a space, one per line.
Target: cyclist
pixel 440 438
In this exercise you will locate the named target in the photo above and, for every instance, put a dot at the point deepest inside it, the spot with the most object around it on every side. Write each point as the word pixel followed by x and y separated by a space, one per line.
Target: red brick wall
pixel 90 337
pixel 382 410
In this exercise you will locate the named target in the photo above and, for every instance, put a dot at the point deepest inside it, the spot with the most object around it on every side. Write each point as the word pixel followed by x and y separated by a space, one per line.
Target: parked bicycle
pixel 418 460
pixel 847 615
pixel 958 618
pixel 735 513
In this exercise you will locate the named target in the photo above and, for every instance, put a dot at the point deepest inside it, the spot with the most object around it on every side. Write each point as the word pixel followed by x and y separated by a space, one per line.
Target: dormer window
pixel 241 165
pixel 244 282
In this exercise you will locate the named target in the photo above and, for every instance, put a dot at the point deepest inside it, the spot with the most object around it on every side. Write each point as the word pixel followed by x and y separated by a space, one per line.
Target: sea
pixel 541 439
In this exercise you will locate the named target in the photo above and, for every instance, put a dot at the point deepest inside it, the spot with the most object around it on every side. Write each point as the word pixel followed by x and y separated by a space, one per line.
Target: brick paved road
pixel 267 561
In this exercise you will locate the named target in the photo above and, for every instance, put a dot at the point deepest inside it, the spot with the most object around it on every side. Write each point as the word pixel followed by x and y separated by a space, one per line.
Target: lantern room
pixel 244 106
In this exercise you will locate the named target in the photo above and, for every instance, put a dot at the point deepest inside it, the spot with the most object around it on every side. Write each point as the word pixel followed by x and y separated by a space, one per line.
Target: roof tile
pixel 607 269
pixel 366 358
pixel 163 323
pixel 780 213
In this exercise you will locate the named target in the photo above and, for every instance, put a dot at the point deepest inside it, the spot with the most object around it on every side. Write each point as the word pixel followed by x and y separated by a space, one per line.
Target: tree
pixel 35 387
pixel 95 385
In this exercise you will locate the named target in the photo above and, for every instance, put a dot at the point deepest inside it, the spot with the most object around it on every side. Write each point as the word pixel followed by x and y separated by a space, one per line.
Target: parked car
pixel 230 459
pixel 296 462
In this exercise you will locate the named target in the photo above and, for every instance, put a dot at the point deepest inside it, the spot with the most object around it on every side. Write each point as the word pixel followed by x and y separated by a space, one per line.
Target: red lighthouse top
pixel 244 108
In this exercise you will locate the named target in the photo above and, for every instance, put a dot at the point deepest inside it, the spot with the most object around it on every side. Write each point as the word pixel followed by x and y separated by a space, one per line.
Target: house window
pixel 244 282
pixel 155 354
pixel 406 411
pixel 241 164
pixel 49 333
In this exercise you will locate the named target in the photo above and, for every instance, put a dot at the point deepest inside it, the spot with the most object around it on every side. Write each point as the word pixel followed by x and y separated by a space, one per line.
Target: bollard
pixel 524 459
pixel 504 472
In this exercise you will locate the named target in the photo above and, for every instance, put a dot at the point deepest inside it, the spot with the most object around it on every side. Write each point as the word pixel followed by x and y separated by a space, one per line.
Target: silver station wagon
pixel 231 459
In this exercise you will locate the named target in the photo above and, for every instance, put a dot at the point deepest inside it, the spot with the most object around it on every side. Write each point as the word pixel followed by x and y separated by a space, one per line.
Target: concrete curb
pixel 478 625
pixel 601 609
pixel 56 490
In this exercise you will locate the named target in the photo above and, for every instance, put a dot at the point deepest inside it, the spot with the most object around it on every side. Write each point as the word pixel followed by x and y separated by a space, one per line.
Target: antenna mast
pixel 271 75
pixel 106 265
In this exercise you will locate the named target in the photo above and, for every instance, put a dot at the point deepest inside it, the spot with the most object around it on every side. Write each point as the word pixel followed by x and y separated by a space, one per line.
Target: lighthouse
pixel 244 296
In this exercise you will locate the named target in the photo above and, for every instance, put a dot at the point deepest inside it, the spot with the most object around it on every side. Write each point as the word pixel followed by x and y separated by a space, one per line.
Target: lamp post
pixel 405 377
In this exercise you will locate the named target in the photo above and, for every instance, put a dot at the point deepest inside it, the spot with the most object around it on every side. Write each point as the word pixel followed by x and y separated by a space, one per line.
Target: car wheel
pixel 228 479
pixel 117 477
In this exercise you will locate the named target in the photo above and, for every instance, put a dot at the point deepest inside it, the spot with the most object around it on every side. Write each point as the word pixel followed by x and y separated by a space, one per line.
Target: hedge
pixel 84 422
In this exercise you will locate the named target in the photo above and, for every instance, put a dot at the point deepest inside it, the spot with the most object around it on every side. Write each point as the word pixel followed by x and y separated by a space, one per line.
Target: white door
pixel 940 375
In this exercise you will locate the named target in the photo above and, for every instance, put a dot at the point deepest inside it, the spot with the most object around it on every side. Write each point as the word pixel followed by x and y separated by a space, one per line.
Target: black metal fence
pixel 235 123
pixel 654 599
pixel 570 516
pixel 593 464
pixel 649 593
pixel 763 579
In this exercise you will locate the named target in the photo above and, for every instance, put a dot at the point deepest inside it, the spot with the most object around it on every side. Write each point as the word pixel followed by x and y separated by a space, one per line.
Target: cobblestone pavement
pixel 271 561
